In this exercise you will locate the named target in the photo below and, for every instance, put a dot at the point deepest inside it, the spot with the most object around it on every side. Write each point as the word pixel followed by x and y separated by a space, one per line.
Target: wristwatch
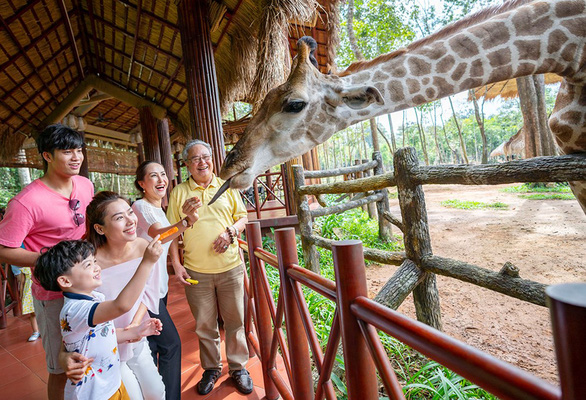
pixel 185 223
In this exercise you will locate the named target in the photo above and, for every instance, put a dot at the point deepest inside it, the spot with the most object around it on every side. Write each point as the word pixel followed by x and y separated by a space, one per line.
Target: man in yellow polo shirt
pixel 212 257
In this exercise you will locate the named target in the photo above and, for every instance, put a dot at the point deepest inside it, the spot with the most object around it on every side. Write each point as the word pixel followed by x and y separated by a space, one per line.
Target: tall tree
pixel 462 145
pixel 479 114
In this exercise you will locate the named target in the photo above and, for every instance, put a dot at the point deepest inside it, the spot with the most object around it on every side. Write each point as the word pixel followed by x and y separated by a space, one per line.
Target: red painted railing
pixel 356 321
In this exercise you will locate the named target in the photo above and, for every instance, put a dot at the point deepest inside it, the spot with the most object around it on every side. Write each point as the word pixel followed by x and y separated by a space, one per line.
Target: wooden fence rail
pixel 355 322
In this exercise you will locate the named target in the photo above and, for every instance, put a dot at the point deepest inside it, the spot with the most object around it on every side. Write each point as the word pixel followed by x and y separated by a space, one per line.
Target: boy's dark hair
pixel 59 260
pixel 58 137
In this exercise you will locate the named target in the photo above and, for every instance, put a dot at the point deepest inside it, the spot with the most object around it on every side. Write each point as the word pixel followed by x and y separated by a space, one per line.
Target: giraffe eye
pixel 294 106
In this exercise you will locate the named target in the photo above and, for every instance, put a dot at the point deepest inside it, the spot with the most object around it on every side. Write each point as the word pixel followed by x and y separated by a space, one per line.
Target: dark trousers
pixel 166 350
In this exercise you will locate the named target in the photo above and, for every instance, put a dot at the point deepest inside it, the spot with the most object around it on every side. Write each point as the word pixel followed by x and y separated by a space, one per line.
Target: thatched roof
pixel 508 89
pixel 106 58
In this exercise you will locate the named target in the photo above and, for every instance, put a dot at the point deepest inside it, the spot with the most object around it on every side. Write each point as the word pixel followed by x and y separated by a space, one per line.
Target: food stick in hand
pixel 192 281
pixel 168 233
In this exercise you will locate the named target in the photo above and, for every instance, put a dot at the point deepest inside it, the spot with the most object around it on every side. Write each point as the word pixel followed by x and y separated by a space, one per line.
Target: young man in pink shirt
pixel 48 210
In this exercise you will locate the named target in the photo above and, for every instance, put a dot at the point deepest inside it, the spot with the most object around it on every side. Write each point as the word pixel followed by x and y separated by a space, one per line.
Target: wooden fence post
pixel 361 377
pixel 567 306
pixel 372 213
pixel 416 231
pixel 385 229
pixel 263 313
pixel 310 254
pixel 302 380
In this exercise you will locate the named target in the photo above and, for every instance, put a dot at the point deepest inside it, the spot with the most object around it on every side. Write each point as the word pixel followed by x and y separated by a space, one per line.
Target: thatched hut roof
pixel 508 89
pixel 130 51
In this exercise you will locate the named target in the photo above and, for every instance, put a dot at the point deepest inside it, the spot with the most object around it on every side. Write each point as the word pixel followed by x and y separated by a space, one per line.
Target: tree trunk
pixel 528 100
pixel 392 133
pixel 480 121
pixel 24 176
pixel 403 126
pixel 452 150
pixel 422 136
pixel 548 146
pixel 462 145
pixel 437 148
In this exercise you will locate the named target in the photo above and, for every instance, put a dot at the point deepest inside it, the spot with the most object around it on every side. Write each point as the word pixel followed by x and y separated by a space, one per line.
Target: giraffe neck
pixel 533 38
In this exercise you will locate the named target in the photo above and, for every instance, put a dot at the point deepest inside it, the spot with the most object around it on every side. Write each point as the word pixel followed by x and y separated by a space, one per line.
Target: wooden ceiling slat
pixel 21 11
pixel 156 90
pixel 90 6
pixel 122 71
pixel 131 36
pixel 230 16
pixel 151 15
pixel 134 39
pixel 25 55
pixel 71 37
pixel 83 30
pixel 32 44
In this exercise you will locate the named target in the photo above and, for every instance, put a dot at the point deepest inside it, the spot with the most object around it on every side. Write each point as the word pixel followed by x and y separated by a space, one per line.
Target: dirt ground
pixel 546 239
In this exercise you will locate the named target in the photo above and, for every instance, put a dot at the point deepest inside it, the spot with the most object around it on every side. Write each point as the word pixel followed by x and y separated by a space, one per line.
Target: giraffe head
pixel 295 117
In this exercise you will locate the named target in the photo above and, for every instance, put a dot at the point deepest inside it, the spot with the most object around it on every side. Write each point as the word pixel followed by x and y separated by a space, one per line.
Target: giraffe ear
pixel 361 97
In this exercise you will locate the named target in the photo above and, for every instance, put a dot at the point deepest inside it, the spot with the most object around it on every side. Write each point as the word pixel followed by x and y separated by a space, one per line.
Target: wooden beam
pixel 90 7
pixel 96 99
pixel 105 139
pixel 126 96
pixel 107 133
pixel 94 82
pixel 71 36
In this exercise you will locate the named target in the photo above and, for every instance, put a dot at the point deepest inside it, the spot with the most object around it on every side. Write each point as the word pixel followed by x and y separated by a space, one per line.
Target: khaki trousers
pixel 227 291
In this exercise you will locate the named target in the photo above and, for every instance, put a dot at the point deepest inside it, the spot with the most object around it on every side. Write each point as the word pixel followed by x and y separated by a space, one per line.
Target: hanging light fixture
pixel 72 121
pixel 81 125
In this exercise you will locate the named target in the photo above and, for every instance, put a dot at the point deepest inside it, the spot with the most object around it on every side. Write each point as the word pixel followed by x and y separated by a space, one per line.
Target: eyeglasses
pixel 78 218
pixel 197 159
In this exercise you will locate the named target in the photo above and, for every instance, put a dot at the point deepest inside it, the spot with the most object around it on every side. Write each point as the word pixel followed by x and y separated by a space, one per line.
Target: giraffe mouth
pixel 220 191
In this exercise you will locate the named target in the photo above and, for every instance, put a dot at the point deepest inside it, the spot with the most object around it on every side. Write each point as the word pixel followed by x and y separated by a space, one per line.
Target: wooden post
pixel 417 240
pixel 150 136
pixel 385 229
pixel 361 378
pixel 358 175
pixel 310 254
pixel 567 306
pixel 177 157
pixel 84 169
pixel 200 71
pixel 302 380
pixel 263 314
pixel 140 151
pixel 371 206
pixel 166 152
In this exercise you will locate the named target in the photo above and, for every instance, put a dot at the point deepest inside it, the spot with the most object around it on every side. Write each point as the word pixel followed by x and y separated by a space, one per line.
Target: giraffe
pixel 509 148
pixel 517 38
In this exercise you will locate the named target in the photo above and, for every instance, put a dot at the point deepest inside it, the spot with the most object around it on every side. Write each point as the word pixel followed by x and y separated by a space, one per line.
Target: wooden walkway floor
pixel 23 373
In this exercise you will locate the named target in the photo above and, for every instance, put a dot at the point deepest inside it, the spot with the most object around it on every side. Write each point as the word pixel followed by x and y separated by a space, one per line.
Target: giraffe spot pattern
pixel 436 52
pixel 396 91
pixel 556 39
pixel 572 117
pixel 418 67
pixel 443 87
pixel 430 93
pixel 445 64
pixel 528 49
pixel 425 81
pixel 413 86
pixel 459 72
pixel 476 68
pixel 500 74
pixel 501 57
pixel 471 83
pixel 569 52
pixel 419 99
pixel 576 26
pixel 566 9
pixel 380 76
pixel 531 20
pixel 492 33
pixel 525 69
pixel 464 47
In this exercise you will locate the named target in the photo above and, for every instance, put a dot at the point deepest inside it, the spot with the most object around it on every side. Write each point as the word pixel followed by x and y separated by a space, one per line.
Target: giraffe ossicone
pixel 517 38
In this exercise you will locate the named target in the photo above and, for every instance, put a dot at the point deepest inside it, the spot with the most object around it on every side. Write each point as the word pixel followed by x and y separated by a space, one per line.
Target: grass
pixel 542 191
pixel 550 196
pixel 473 205
pixel 538 188
pixel 422 378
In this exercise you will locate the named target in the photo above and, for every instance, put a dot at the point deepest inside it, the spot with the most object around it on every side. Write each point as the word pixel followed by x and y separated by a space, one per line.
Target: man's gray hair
pixel 192 143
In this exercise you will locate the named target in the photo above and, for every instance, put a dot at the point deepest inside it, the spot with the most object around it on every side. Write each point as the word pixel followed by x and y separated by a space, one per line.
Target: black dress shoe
pixel 208 380
pixel 242 380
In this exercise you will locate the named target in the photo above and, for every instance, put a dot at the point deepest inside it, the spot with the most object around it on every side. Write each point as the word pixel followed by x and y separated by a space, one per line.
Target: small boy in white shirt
pixel 86 319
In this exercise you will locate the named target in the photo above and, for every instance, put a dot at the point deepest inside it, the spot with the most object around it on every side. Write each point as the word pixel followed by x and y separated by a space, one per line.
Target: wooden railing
pixel 269 193
pixel 355 322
